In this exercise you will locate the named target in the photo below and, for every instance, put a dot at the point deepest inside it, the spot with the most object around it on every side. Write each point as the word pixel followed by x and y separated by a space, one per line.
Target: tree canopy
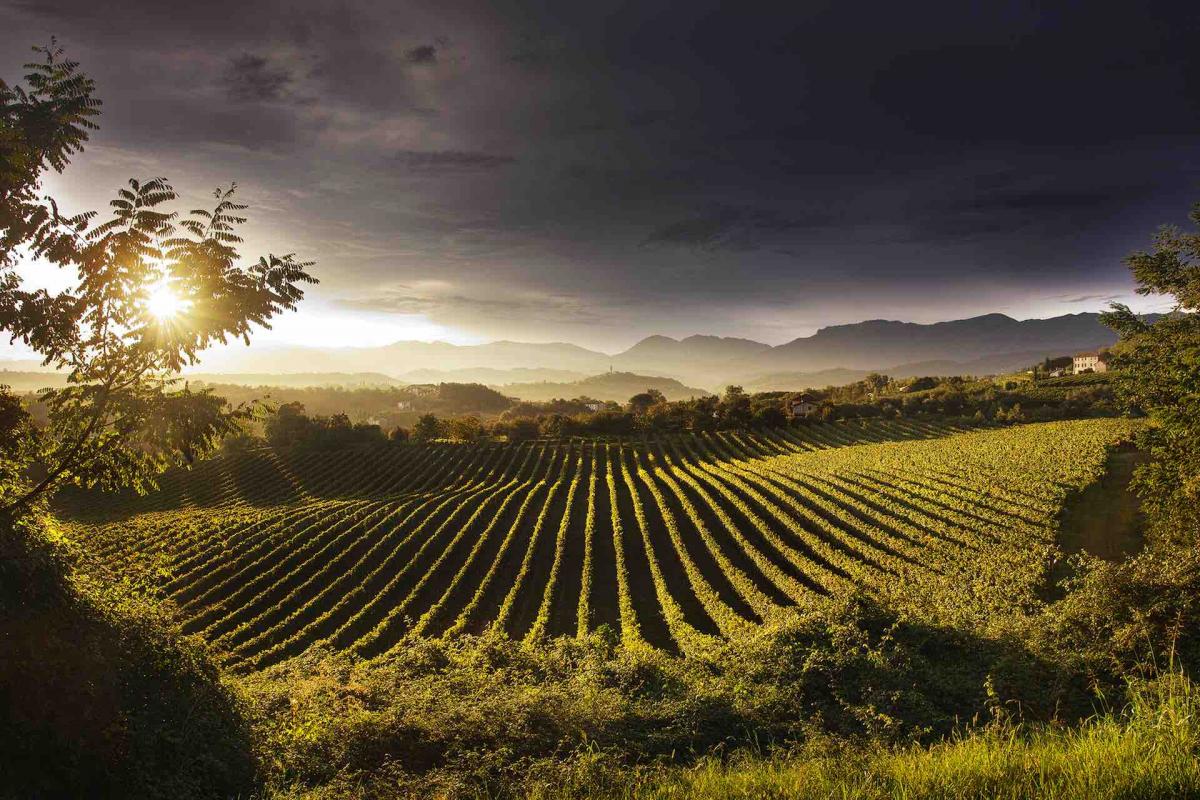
pixel 1159 364
pixel 149 291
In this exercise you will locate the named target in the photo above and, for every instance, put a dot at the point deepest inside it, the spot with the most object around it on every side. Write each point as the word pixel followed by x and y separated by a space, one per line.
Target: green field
pixel 673 544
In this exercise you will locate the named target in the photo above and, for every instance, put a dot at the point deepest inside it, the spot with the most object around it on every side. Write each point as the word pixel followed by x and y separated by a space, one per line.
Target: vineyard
pixel 671 543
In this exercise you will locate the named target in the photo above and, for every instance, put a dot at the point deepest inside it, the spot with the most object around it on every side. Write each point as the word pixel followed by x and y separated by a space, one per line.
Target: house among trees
pixel 803 405
pixel 1094 361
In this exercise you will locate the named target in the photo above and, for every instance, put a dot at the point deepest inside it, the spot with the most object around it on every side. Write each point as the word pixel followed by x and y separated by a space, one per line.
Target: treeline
pixel 650 413
pixel 387 407
pixel 1005 399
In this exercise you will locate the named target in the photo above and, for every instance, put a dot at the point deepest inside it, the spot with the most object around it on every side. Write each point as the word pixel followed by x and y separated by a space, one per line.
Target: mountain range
pixel 978 345
pixel 990 343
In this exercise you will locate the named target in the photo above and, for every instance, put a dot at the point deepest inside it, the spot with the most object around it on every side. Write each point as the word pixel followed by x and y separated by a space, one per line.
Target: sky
pixel 598 172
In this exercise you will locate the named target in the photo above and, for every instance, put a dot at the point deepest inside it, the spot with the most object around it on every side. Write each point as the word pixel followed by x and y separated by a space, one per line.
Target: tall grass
pixel 1150 750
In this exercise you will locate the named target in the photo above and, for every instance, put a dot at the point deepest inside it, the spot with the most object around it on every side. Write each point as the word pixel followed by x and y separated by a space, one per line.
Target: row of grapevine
pixel 672 543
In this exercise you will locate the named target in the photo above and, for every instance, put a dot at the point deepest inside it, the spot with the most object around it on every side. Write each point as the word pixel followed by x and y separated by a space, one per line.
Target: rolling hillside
pixel 671 544
pixel 615 386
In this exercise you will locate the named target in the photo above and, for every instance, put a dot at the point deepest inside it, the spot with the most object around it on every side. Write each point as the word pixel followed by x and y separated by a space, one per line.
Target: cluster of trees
pixel 650 413
pixel 385 406
pixel 647 412
pixel 290 426
pixel 964 396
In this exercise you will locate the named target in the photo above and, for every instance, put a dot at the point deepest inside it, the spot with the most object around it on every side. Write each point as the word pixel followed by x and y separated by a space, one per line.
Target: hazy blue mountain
pixel 979 345
pixel 399 358
pixel 882 344
pixel 492 376
pixel 692 349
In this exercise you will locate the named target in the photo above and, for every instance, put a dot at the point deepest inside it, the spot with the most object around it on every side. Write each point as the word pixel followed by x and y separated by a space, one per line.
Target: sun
pixel 162 302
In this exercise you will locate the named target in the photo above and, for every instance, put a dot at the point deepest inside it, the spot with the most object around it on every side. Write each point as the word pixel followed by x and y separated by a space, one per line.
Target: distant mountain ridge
pixel 615 386
pixel 344 380
pixel 987 343
pixel 880 343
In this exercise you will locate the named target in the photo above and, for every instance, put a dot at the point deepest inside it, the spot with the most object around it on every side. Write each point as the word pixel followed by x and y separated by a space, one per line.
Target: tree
pixel 522 430
pixel 428 428
pixel 288 426
pixel 642 402
pixel 735 408
pixel 466 429
pixel 875 382
pixel 1159 373
pixel 150 292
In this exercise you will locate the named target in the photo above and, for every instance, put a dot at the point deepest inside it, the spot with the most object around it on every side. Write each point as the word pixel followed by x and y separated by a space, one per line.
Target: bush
pixel 99 696
pixel 490 715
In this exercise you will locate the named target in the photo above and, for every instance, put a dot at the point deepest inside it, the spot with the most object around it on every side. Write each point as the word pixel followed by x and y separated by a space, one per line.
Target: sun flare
pixel 162 301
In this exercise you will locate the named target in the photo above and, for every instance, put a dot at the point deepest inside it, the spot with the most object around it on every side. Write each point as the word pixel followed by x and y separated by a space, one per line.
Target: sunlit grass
pixel 1151 751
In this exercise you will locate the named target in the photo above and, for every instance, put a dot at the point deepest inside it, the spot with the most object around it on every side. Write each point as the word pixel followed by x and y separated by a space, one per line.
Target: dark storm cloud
pixel 729 228
pixel 434 161
pixel 1092 298
pixel 254 78
pixel 1028 207
pixel 425 54
pixel 699 158
pixel 440 301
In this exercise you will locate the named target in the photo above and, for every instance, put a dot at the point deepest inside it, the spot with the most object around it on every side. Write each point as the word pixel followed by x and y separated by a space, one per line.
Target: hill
pixel 491 376
pixel 699 359
pixel 405 356
pixel 31 381
pixel 615 386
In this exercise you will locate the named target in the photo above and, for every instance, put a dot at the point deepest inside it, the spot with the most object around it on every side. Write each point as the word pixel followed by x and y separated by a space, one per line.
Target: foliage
pixel 41 127
pixel 642 402
pixel 427 428
pixel 119 420
pixel 288 426
pixel 1151 749
pixel 466 429
pixel 99 697
pixel 1161 366
pixel 474 715
pixel 846 700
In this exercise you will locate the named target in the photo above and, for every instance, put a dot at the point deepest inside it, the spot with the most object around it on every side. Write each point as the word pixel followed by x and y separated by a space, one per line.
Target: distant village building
pixel 803 405
pixel 593 407
pixel 1095 361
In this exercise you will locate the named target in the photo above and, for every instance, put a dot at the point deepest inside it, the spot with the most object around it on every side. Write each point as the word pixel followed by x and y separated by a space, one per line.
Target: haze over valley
pixel 981 345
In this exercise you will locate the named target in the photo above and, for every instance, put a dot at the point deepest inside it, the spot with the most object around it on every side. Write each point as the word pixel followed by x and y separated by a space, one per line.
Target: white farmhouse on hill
pixel 1095 361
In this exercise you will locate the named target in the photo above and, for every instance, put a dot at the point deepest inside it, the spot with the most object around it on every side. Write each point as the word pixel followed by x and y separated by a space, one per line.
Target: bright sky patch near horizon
pixel 595 173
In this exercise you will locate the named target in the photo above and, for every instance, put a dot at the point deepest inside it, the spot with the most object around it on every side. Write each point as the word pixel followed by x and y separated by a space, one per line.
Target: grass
pixel 1152 750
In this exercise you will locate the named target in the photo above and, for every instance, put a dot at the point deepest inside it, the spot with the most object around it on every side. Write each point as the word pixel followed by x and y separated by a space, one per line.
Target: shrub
pixel 99 696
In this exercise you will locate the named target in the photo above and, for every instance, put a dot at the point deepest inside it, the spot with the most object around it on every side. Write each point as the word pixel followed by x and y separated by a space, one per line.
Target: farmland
pixel 673 544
